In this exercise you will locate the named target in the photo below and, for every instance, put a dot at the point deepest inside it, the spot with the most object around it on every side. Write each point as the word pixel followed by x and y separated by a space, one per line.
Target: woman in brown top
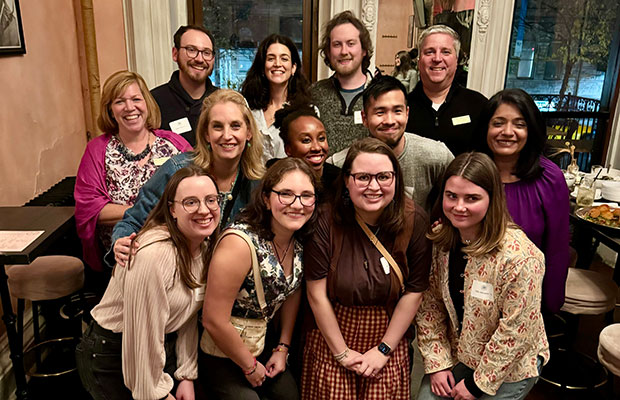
pixel 362 307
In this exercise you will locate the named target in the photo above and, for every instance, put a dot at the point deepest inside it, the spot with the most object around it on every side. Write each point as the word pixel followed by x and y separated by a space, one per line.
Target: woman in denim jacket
pixel 228 145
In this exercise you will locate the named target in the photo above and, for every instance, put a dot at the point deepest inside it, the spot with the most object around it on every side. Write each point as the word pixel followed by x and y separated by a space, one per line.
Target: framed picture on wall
pixel 11 31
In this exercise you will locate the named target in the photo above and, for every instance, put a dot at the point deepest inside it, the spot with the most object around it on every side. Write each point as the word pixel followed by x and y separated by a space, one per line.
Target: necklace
pixel 275 247
pixel 129 156
pixel 467 241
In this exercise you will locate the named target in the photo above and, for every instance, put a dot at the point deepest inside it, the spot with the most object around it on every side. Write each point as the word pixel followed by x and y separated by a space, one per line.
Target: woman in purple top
pixel 513 132
pixel 116 164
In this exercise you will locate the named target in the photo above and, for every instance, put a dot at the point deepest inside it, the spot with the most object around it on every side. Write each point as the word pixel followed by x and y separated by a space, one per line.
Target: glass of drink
pixel 585 192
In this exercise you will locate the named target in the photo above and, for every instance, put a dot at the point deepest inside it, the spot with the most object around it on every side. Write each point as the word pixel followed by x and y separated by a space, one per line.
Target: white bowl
pixel 570 179
pixel 610 190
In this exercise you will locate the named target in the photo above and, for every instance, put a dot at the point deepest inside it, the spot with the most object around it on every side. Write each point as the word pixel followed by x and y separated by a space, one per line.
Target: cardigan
pixel 91 191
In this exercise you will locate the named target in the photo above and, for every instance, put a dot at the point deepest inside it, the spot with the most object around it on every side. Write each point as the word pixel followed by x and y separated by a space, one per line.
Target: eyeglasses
pixel 192 52
pixel 363 179
pixel 287 198
pixel 192 204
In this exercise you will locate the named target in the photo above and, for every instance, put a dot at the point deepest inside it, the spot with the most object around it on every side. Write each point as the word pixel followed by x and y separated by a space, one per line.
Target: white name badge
pixel 160 161
pixel 199 293
pixel 357 117
pixel 180 126
pixel 482 290
pixel 463 119
pixel 386 265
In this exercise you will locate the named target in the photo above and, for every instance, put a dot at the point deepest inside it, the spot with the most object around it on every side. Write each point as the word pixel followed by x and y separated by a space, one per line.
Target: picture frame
pixel 11 30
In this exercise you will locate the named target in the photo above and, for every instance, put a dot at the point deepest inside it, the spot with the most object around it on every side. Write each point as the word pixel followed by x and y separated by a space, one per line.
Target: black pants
pixel 222 379
pixel 99 362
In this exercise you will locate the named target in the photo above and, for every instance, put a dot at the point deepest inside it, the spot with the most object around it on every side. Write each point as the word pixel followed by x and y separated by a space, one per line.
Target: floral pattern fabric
pixel 502 332
pixel 275 284
pixel 125 178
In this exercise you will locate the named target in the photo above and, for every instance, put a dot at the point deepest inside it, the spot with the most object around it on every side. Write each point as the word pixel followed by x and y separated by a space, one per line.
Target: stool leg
pixel 35 322
pixel 20 323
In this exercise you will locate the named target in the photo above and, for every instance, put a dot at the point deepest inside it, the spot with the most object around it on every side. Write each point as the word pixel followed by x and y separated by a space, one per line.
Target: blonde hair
pixel 252 157
pixel 440 29
pixel 479 169
pixel 113 88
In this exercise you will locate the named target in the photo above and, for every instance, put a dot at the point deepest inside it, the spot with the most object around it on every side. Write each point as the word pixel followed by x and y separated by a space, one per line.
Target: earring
pixel 209 146
pixel 248 144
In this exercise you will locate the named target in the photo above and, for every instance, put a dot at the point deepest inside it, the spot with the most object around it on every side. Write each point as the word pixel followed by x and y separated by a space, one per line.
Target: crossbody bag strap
pixel 258 281
pixel 383 251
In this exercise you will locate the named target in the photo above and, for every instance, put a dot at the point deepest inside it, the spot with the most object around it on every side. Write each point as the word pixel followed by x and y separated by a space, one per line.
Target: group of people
pixel 313 263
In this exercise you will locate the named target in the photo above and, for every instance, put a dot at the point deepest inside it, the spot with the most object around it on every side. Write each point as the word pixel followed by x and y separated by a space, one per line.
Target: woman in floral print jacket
pixel 480 329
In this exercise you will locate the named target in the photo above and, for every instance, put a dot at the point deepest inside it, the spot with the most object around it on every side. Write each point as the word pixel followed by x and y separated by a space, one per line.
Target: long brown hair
pixel 392 218
pixel 479 169
pixel 161 216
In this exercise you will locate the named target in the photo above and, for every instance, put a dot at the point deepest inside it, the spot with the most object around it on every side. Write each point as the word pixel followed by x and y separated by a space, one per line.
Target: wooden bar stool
pixel 46 278
pixel 609 349
pixel 587 293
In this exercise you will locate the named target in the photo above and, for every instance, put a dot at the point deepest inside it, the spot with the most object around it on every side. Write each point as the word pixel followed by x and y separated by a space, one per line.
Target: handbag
pixel 251 330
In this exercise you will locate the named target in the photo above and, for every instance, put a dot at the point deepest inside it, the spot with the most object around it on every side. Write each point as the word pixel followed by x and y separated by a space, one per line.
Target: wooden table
pixel 582 241
pixel 54 221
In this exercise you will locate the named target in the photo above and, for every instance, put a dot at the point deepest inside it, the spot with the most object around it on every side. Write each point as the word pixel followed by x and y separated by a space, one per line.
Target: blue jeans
pixel 507 391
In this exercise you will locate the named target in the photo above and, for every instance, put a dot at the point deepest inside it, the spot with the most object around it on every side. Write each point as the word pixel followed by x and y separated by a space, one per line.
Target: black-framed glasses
pixel 363 179
pixel 192 204
pixel 287 198
pixel 192 52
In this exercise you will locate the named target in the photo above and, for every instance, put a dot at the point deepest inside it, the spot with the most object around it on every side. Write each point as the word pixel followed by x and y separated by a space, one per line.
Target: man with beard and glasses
pixel 422 160
pixel 346 48
pixel 442 109
pixel 180 100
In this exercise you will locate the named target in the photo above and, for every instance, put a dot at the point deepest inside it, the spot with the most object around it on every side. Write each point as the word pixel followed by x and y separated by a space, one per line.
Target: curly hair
pixel 255 87
pixel 346 17
pixel 289 113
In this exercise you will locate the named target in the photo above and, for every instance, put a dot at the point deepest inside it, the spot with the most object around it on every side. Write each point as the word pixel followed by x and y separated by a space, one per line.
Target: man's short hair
pixel 185 28
pixel 346 17
pixel 440 29
pixel 380 85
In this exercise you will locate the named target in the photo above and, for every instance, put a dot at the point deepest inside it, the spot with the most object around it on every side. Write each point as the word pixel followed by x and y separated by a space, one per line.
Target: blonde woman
pixel 229 146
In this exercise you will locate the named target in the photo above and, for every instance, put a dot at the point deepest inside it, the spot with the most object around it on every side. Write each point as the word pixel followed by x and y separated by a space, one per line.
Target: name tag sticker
pixel 463 119
pixel 357 117
pixel 386 265
pixel 199 293
pixel 160 161
pixel 482 290
pixel 180 126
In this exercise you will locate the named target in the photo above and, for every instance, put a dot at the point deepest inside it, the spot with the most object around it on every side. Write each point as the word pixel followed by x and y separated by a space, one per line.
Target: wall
pixel 42 122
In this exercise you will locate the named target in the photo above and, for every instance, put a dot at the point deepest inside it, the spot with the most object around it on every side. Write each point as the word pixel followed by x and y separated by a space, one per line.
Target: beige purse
pixel 252 331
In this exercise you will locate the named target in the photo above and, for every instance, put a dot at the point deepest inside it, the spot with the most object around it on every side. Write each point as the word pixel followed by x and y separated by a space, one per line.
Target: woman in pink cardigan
pixel 116 164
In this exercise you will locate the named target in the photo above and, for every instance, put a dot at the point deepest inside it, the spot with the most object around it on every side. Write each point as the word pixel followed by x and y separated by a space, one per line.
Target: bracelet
pixel 288 347
pixel 252 369
pixel 279 348
pixel 341 356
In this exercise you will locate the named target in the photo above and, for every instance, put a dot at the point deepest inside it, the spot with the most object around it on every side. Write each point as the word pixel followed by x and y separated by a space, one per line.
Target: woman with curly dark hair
pixel 256 270
pixel 275 77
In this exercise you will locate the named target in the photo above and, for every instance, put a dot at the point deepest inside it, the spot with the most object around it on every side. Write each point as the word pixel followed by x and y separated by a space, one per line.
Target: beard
pixel 196 76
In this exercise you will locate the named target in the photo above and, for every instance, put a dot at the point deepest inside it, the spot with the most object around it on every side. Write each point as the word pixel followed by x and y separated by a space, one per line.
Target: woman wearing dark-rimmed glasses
pixel 128 351
pixel 363 295
pixel 280 215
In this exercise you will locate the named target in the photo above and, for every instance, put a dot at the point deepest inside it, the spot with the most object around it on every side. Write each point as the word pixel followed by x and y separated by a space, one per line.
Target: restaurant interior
pixel 51 82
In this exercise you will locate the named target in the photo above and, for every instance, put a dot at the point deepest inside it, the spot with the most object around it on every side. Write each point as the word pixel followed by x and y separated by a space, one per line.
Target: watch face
pixel 384 348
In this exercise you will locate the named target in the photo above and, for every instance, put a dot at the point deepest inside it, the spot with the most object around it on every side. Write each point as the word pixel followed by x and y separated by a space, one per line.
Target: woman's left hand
pixel 371 363
pixel 276 364
pixel 460 392
pixel 185 390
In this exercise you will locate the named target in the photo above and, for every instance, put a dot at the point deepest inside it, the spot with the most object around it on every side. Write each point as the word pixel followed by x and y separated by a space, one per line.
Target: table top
pixel 54 221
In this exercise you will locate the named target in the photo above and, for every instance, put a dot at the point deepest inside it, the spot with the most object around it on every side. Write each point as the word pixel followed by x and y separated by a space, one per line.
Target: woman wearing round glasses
pixel 275 77
pixel 366 267
pixel 129 347
pixel 280 215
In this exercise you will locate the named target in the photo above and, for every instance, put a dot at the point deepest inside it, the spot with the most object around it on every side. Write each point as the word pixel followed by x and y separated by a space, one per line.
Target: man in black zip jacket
pixel 180 99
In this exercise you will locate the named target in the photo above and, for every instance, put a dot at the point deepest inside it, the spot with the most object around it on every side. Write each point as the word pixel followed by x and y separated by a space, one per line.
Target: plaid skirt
pixel 323 378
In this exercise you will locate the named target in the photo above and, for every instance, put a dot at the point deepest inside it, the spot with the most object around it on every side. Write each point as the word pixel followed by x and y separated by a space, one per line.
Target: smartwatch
pixel 384 349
